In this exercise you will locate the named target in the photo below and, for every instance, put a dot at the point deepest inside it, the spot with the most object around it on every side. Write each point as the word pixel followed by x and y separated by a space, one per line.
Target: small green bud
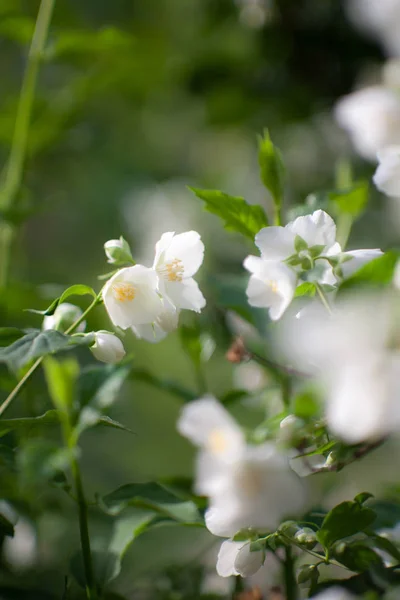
pixel 306 537
pixel 118 252
pixel 331 459
pixel 307 573
pixel 289 528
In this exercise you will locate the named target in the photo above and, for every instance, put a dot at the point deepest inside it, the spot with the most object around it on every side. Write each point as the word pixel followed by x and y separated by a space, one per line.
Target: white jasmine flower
pixel 257 491
pixel 63 317
pixel 131 297
pixel 20 551
pixel 209 425
pixel 371 117
pixel 118 251
pixel 387 175
pixel 379 19
pixel 166 322
pixel 178 258
pixel 352 354
pixel 235 558
pixel 107 347
pixel 272 285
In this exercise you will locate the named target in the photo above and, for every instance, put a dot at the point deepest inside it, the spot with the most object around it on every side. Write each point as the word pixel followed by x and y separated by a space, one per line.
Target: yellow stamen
pixel 173 270
pixel 217 442
pixel 274 286
pixel 123 292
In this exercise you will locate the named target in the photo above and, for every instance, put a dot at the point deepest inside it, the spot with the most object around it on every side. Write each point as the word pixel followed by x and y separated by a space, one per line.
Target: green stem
pixel 22 122
pixel 15 164
pixel 20 385
pixel 91 591
pixel 323 298
pixel 277 211
pixel 289 578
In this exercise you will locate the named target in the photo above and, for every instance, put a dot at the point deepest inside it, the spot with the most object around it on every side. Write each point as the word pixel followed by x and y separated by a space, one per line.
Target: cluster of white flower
pixel 353 354
pixel 304 250
pixel 148 300
pixel 250 488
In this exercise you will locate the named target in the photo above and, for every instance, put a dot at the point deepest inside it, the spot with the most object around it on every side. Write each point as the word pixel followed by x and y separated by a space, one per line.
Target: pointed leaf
pixel 237 215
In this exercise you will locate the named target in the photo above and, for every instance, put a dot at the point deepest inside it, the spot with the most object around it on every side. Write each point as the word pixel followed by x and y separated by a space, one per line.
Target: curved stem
pixel 37 363
pixel 15 164
pixel 323 298
pixel 22 122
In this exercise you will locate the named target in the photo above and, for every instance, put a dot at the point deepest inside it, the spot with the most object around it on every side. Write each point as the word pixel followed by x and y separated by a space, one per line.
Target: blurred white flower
pixel 235 558
pixel 371 116
pixel 131 297
pixel 257 491
pixel 63 317
pixel 108 347
pixel 20 550
pixel 118 251
pixel 380 19
pixel 178 258
pixel 334 593
pixel 166 322
pixel 387 175
pixel 396 276
pixel 272 285
pixel 210 427
pixel 250 377
pixel 351 353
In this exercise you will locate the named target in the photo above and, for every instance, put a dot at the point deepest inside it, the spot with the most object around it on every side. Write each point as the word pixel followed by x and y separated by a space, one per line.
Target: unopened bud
pixel 107 347
pixel 307 573
pixel 63 317
pixel 306 537
pixel 118 252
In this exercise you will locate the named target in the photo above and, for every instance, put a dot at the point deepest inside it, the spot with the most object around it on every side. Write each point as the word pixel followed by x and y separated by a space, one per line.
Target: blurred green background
pixel 136 100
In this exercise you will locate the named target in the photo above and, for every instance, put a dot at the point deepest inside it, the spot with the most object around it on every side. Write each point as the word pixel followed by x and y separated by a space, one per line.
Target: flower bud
pixel 307 573
pixel 118 252
pixel 108 347
pixel 306 537
pixel 63 317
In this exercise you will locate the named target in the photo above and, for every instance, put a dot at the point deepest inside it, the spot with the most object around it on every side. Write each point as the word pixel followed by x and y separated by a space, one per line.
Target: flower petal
pixel 188 248
pixel 184 294
pixel 359 258
pixel 275 243
pixel 226 558
pixel 318 229
pixel 161 246
pixel 272 285
pixel 247 563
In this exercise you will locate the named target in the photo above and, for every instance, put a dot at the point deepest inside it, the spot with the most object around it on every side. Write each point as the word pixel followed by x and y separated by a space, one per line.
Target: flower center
pixel 217 442
pixel 123 292
pixel 173 270
pixel 274 286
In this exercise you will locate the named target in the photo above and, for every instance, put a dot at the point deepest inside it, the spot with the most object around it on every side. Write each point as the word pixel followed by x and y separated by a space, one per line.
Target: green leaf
pixel 74 290
pixel 151 496
pixel 272 170
pixel 345 520
pixel 27 424
pixel 61 376
pixel 90 417
pixel 6 527
pixel 306 405
pixel 9 335
pixel 237 215
pixel 363 497
pixel 351 201
pixel 357 556
pixel 105 40
pixel 38 343
pixel 305 289
pixel 375 273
